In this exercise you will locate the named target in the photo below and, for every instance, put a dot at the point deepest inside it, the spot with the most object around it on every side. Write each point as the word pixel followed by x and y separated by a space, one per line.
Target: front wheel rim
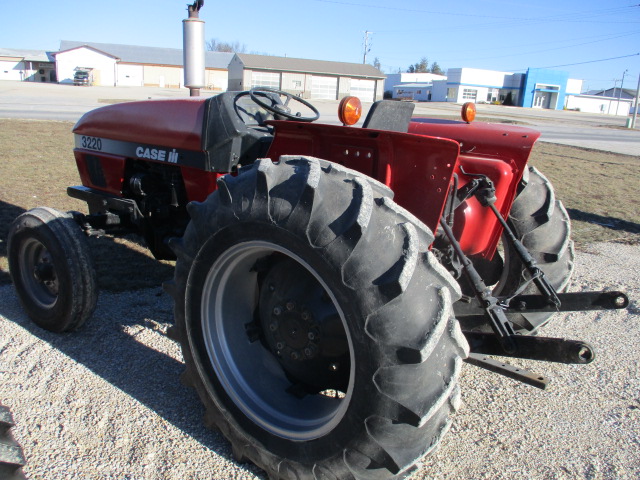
pixel 248 372
pixel 38 273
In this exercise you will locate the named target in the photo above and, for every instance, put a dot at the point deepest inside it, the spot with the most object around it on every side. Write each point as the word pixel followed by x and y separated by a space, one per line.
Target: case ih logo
pixel 157 154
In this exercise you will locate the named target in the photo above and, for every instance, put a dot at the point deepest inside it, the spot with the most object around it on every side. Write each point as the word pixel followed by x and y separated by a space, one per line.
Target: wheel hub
pixel 302 328
pixel 293 332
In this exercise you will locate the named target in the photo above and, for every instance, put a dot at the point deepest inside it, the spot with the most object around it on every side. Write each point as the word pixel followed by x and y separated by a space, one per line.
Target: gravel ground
pixel 105 402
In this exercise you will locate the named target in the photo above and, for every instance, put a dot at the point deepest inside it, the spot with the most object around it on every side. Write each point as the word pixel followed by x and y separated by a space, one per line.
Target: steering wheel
pixel 281 111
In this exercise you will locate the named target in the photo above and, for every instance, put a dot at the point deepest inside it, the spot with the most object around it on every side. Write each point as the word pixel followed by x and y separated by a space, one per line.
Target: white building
pixel 480 86
pixel 397 79
pixel 27 65
pixel 132 65
pixel 599 104
pixel 420 92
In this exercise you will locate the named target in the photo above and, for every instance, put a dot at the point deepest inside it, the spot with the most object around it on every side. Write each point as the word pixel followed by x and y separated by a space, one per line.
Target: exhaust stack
pixel 193 49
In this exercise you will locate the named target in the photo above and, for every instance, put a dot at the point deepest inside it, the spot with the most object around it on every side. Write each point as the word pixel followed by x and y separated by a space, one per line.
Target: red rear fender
pixel 417 168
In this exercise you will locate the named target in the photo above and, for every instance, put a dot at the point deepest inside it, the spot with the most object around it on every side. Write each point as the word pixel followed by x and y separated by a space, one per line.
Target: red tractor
pixel 329 280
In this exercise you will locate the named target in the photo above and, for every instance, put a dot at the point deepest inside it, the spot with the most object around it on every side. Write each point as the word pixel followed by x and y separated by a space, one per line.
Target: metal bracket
pixel 569 302
pixel 516 373
pixel 545 349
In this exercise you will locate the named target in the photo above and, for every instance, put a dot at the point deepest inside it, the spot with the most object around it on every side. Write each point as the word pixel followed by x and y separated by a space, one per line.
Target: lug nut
pixel 290 305
pixel 279 345
pixel 311 336
pixel 305 315
pixel 273 326
pixel 277 310
pixel 294 356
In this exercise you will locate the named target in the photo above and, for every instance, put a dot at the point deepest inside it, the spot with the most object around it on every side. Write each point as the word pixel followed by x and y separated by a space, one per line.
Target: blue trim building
pixel 538 88
pixel 544 88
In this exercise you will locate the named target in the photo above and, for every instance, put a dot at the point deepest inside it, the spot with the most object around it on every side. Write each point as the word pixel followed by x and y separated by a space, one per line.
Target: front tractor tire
pixel 51 269
pixel 315 325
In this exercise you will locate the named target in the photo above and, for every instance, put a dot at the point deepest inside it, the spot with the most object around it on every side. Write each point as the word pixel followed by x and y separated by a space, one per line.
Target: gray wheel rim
pixel 249 373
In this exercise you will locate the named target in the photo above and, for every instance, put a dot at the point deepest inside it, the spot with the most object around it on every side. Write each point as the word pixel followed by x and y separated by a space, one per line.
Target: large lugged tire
pixel 315 325
pixel 542 224
pixel 11 456
pixel 51 269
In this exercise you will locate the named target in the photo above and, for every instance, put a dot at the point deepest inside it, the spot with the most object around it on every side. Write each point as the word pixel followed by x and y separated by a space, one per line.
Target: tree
pixel 435 68
pixel 215 45
pixel 376 63
pixel 421 67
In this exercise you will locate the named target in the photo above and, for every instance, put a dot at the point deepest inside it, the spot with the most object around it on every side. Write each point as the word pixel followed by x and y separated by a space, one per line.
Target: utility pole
pixel 367 45
pixel 635 108
pixel 620 92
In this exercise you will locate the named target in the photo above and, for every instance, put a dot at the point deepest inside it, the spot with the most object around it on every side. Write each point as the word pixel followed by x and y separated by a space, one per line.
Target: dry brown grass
pixel 600 190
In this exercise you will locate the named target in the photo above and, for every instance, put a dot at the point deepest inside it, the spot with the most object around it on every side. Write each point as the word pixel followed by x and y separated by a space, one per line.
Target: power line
pixel 572 15
pixel 580 63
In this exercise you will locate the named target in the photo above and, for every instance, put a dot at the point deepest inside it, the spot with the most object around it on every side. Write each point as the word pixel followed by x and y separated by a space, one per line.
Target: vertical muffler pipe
pixel 193 49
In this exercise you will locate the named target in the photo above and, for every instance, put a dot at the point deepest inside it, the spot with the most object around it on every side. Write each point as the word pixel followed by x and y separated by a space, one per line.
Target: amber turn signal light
pixel 469 112
pixel 350 110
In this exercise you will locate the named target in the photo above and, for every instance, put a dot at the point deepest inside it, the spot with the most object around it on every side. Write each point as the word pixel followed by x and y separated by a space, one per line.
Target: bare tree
pixel 376 63
pixel 215 45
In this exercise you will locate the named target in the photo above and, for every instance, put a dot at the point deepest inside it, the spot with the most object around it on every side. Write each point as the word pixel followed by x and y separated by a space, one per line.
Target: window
pixel 470 94
pixel 451 93
pixel 297 84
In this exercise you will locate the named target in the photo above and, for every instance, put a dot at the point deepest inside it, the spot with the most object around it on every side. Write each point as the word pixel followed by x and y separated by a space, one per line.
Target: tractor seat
pixel 389 115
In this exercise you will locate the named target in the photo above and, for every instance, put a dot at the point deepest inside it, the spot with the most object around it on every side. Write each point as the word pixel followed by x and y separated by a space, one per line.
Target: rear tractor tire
pixel 315 325
pixel 51 269
pixel 11 457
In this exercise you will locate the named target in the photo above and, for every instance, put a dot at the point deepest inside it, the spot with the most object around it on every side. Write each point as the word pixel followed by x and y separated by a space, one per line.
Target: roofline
pixel 326 74
pixel 293 70
pixel 90 48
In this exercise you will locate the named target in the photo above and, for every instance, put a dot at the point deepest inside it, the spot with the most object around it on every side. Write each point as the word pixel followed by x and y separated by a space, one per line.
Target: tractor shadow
pixel 118 343
pixel 121 264
pixel 125 344
pixel 606 222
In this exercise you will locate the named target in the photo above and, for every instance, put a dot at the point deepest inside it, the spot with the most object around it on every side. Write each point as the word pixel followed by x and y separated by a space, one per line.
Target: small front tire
pixel 51 269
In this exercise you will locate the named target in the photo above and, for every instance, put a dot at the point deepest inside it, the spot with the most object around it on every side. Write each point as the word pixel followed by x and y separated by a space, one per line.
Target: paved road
pixel 68 103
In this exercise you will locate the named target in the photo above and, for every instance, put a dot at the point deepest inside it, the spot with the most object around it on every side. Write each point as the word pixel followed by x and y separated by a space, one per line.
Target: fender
pixel 417 168
pixel 499 151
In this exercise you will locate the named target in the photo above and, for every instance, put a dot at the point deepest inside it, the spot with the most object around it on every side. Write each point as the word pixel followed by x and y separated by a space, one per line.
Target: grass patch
pixel 600 191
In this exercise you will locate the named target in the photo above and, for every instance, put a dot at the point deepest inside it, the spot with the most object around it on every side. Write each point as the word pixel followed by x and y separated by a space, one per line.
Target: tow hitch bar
pixel 504 341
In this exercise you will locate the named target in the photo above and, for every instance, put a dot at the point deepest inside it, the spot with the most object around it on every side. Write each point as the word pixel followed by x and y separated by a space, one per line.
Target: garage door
pixel 365 90
pixel 324 88
pixel 265 79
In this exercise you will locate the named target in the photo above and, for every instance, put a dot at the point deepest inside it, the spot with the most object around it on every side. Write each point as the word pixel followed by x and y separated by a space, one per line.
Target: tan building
pixel 314 79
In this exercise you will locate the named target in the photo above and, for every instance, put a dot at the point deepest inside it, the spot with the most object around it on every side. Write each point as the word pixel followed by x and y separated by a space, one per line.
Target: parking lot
pixel 67 102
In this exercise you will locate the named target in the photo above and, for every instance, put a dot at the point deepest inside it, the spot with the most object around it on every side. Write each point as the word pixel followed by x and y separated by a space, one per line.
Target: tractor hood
pixel 478 138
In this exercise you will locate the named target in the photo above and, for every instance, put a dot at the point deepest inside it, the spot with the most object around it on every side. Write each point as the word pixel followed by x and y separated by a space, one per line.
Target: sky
pixel 595 41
